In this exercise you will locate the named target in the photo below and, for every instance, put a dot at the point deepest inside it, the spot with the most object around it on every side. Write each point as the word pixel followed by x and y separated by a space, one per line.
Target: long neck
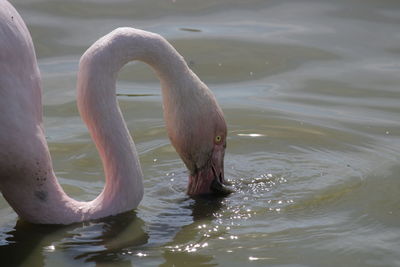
pixel 97 104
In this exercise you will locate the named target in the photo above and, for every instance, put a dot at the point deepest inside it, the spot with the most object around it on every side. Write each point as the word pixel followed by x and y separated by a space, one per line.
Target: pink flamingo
pixel 194 121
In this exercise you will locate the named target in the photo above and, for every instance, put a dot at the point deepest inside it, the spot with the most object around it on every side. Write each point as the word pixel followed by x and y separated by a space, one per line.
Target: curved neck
pixel 97 104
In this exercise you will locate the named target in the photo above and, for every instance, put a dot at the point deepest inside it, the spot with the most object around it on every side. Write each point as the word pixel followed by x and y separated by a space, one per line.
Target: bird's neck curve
pixel 97 104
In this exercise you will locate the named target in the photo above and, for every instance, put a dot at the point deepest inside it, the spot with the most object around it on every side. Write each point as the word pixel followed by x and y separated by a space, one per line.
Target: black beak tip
pixel 219 189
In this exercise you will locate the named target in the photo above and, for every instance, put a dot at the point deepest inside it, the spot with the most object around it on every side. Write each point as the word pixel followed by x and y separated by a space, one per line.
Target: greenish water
pixel 311 95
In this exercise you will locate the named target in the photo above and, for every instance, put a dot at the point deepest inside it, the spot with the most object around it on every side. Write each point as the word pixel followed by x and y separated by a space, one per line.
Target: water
pixel 310 91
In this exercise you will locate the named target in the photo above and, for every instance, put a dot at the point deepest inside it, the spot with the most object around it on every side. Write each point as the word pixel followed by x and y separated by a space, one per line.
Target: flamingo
pixel 194 121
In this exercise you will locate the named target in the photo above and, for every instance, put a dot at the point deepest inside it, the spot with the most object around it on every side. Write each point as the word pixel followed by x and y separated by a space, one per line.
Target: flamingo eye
pixel 218 139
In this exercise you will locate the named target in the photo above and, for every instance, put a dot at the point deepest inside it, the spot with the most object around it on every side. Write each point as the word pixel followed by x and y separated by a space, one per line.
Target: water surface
pixel 311 95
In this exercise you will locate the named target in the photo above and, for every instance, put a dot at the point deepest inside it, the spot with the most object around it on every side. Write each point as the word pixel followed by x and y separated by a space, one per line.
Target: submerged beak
pixel 210 179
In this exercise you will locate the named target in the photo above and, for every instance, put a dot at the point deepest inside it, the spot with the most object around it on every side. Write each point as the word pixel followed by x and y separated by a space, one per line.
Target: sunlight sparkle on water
pixel 50 248
pixel 140 254
pixel 251 258
pixel 251 134
pixel 189 248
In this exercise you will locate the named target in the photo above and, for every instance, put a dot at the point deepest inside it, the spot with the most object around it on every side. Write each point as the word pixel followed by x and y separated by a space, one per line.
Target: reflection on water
pixel 105 240
pixel 192 238
pixel 310 92
pixel 113 239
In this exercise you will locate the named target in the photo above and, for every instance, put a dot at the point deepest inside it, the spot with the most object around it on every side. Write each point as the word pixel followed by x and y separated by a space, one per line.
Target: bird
pixel 195 124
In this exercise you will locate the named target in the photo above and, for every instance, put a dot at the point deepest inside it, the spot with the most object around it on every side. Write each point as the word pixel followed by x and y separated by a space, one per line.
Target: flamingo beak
pixel 210 179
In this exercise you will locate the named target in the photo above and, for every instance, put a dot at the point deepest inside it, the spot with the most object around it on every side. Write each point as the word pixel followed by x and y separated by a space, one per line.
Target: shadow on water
pixel 205 207
pixel 99 241
pixel 204 210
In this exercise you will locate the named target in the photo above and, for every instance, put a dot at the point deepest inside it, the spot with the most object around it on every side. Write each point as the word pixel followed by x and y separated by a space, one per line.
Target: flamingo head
pixel 199 137
pixel 207 171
